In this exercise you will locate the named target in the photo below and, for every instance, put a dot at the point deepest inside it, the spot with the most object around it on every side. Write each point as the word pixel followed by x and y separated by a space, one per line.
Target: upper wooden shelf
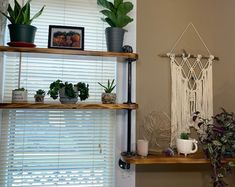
pixel 197 158
pixel 68 52
pixel 66 106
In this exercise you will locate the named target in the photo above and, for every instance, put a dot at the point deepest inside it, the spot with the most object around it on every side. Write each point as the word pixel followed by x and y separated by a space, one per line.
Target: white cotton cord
pixel 182 34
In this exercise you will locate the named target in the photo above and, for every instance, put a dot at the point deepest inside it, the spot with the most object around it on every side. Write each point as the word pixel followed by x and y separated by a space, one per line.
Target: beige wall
pixel 159 24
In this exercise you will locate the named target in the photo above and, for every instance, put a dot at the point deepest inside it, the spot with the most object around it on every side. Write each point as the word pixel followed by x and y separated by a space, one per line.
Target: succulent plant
pixel 21 14
pixel 40 92
pixel 184 136
pixel 116 12
pixel 109 88
pixel 20 89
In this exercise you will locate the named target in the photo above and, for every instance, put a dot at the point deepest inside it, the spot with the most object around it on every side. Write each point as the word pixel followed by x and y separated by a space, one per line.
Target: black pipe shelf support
pixel 122 164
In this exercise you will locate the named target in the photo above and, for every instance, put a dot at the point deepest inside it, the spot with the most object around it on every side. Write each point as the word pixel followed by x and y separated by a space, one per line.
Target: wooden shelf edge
pixel 67 106
pixel 69 52
pixel 177 159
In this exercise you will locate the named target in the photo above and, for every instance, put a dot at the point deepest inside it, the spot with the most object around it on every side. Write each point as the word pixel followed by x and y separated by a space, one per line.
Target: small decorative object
pixel 185 145
pixel 19 95
pixel 108 97
pixel 142 147
pixel 169 152
pixel 218 143
pixel 68 92
pixel 39 96
pixel 127 49
pixel 22 33
pixel 116 16
pixel 65 37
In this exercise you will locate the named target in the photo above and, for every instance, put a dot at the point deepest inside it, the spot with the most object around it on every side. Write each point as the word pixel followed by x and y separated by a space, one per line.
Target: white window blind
pixel 54 147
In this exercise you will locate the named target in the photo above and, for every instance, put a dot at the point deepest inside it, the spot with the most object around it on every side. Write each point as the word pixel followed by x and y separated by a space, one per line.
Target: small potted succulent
pixel 108 97
pixel 68 92
pixel 185 145
pixel 19 95
pixel 20 28
pixel 115 13
pixel 39 96
pixel 218 141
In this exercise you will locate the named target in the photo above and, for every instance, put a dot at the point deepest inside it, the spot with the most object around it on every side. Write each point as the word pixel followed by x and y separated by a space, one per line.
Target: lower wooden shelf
pixel 67 106
pixel 197 158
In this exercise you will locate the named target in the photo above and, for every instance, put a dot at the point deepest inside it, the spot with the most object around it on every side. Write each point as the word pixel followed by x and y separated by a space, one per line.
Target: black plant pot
pixel 114 38
pixel 22 33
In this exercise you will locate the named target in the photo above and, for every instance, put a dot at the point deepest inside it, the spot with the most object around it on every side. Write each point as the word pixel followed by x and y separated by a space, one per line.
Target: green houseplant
pixel 68 92
pixel 218 141
pixel 39 96
pixel 19 95
pixel 107 96
pixel 20 28
pixel 116 16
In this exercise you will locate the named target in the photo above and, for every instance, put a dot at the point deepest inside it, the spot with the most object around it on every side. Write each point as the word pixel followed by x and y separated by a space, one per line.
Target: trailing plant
pixel 80 90
pixel 21 14
pixel 109 88
pixel 217 142
pixel 184 136
pixel 40 92
pixel 116 13
pixel 20 89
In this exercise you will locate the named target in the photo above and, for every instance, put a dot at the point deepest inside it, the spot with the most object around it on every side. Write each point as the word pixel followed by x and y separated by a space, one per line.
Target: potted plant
pixel 19 95
pixel 69 92
pixel 39 96
pixel 185 145
pixel 20 28
pixel 218 142
pixel 108 97
pixel 116 16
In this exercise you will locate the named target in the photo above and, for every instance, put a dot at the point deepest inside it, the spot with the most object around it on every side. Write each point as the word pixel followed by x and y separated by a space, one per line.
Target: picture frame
pixel 66 37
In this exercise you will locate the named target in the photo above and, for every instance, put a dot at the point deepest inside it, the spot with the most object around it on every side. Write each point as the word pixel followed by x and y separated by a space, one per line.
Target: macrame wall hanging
pixel 191 79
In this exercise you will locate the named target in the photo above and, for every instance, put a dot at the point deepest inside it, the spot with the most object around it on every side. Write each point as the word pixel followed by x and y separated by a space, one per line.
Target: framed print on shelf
pixel 66 37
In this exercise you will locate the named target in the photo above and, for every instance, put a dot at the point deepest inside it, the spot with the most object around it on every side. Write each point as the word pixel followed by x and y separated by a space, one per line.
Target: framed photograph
pixel 65 37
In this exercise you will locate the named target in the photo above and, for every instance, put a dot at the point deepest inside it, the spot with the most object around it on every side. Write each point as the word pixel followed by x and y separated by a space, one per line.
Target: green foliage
pixel 20 89
pixel 21 14
pixel 109 88
pixel 70 92
pixel 184 136
pixel 116 13
pixel 40 92
pixel 219 141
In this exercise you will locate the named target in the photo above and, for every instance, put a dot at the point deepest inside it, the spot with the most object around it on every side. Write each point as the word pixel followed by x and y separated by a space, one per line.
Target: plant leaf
pixel 124 8
pixel 37 14
pixel 106 4
pixel 110 22
pixel 117 3
pixel 123 20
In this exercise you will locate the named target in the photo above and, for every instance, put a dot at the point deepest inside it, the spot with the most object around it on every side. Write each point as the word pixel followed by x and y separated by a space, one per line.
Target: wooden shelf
pixel 197 158
pixel 66 106
pixel 68 52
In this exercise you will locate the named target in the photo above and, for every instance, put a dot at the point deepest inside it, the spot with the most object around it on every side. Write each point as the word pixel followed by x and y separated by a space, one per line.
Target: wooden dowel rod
pixel 191 56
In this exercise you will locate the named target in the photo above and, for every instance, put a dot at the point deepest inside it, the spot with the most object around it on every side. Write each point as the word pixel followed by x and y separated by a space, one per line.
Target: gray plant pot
pixel 64 99
pixel 22 33
pixel 114 38
pixel 108 98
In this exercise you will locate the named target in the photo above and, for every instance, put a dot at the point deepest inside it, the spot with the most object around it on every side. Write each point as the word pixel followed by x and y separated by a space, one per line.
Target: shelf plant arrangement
pixel 20 28
pixel 107 96
pixel 69 92
pixel 116 15
pixel 218 141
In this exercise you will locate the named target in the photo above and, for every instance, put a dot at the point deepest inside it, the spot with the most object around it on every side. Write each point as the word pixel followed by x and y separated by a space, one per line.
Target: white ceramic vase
pixel 186 146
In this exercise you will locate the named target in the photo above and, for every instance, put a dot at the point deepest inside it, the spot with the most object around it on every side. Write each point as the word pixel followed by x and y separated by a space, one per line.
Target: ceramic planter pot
pixel 114 38
pixel 22 33
pixel 65 99
pixel 19 96
pixel 186 146
pixel 39 98
pixel 108 98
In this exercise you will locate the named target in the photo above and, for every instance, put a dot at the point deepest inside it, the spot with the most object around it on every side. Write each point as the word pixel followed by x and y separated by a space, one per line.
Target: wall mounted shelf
pixel 68 52
pixel 67 106
pixel 197 158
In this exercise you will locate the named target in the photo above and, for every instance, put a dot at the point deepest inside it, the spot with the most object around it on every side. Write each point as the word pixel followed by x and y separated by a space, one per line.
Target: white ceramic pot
pixel 142 147
pixel 186 146
pixel 19 96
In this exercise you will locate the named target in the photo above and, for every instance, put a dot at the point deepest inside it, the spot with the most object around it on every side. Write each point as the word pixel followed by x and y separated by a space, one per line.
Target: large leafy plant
pixel 71 91
pixel 219 141
pixel 21 14
pixel 116 12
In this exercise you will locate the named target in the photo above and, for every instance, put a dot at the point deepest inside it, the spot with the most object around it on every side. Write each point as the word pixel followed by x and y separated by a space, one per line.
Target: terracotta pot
pixel 108 98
